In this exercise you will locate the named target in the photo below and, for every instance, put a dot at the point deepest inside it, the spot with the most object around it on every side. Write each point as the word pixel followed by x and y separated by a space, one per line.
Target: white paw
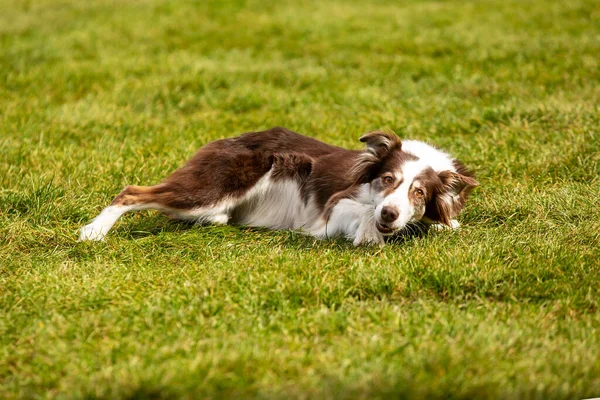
pixel 91 232
pixel 220 219
pixel 369 237
pixel 454 225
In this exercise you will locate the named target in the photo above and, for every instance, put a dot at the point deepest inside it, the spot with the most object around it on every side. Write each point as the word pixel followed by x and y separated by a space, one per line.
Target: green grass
pixel 98 95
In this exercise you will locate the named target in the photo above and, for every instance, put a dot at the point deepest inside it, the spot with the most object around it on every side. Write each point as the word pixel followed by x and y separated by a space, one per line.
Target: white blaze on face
pixel 399 198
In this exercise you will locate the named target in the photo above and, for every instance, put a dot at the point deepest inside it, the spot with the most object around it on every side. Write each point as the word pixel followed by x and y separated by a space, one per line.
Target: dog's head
pixel 405 188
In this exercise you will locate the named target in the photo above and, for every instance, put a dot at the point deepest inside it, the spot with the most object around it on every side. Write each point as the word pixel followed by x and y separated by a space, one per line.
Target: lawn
pixel 96 95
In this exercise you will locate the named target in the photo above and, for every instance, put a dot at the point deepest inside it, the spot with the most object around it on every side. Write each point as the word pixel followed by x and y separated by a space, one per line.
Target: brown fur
pixel 230 167
pixel 449 193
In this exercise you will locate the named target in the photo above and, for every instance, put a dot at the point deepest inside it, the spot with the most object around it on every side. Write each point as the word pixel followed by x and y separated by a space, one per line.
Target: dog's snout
pixel 389 214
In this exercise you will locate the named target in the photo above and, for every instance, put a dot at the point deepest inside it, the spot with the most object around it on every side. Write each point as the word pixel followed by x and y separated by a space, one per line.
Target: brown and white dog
pixel 282 180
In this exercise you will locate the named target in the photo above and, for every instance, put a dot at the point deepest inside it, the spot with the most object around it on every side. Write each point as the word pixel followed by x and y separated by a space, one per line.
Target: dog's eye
pixel 419 193
pixel 388 180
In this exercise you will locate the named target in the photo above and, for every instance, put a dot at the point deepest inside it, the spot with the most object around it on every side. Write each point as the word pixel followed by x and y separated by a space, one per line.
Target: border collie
pixel 280 179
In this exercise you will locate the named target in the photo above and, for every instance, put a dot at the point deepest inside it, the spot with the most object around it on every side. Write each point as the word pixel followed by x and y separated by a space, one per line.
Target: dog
pixel 280 179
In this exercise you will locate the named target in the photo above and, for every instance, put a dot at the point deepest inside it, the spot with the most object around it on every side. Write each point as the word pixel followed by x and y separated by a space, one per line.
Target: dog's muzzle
pixel 385 229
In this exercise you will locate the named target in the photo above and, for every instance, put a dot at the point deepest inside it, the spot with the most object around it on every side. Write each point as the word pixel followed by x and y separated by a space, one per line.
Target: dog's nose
pixel 389 214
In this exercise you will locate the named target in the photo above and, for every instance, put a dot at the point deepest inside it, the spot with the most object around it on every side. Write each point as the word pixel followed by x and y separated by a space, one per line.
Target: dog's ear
pixel 456 183
pixel 379 146
pixel 452 194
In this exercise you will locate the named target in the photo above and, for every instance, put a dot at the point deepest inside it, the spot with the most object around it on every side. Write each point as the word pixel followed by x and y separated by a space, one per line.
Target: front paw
pixel 454 225
pixel 371 237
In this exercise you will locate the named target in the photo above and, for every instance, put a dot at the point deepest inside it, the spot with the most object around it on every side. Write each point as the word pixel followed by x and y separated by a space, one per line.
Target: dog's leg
pixel 205 190
pixel 173 199
pixel 99 227
pixel 367 233
pixel 132 198
pixel 354 220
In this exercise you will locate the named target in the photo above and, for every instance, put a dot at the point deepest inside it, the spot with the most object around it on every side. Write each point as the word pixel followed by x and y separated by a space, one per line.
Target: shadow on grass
pixel 159 224
pixel 409 232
